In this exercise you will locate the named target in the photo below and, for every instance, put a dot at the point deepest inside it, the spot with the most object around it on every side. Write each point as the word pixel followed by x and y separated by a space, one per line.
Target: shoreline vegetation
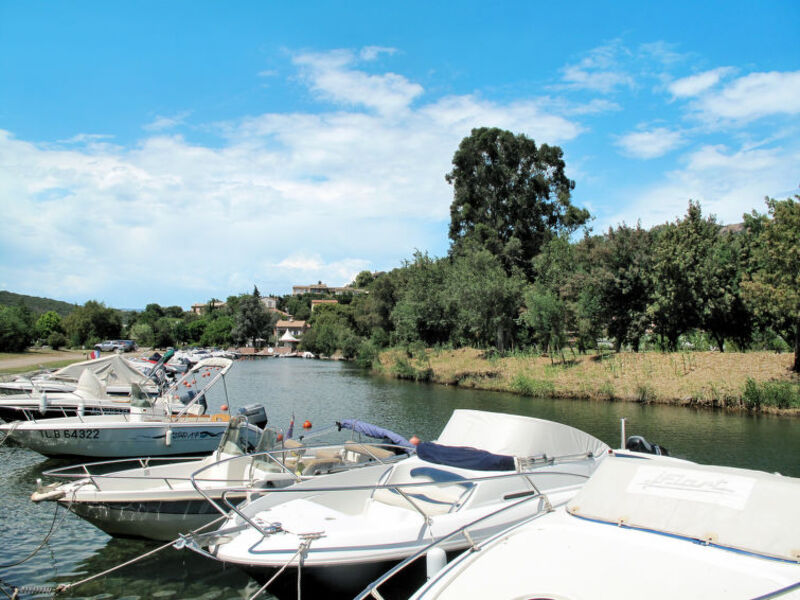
pixel 754 382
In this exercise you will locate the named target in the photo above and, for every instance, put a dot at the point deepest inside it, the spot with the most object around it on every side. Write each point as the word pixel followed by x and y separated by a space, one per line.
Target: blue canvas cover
pixel 464 457
pixel 374 431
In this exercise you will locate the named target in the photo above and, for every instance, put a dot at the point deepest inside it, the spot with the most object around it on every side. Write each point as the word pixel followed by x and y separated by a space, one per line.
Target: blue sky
pixel 173 151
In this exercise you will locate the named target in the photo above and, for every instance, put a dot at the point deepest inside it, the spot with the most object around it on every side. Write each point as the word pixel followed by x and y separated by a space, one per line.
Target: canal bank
pixel 752 381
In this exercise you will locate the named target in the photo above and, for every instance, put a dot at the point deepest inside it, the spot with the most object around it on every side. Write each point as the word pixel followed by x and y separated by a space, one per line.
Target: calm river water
pixel 324 392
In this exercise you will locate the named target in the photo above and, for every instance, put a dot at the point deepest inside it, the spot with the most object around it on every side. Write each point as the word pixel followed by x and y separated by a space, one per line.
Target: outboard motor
pixel 637 443
pixel 256 414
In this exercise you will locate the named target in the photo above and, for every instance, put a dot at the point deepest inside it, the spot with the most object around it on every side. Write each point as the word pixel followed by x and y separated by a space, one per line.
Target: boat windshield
pixel 234 440
pixel 138 398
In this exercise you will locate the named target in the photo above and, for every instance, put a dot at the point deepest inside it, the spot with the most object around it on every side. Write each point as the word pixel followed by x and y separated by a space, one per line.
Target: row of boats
pixel 498 506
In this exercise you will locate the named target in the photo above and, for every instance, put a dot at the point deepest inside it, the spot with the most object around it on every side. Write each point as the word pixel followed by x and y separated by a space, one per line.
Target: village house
pixel 288 333
pixel 322 290
pixel 202 308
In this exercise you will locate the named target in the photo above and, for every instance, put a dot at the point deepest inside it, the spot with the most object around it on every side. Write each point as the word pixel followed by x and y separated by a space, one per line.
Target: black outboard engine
pixel 637 443
pixel 256 414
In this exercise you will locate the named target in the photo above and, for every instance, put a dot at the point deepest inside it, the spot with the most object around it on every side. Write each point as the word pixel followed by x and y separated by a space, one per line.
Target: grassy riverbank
pixel 758 381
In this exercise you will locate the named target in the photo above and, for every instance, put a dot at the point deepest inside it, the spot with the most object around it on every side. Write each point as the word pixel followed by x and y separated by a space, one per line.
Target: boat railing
pixel 372 590
pixel 392 487
pixel 278 457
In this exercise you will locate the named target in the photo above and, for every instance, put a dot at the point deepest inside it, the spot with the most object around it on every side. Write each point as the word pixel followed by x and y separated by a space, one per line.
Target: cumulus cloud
pixel 650 144
pixel 727 182
pixel 753 96
pixel 281 198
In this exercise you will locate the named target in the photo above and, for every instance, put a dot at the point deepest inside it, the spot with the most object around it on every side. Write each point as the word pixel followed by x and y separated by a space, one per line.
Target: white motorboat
pixel 342 530
pixel 114 371
pixel 655 529
pixel 101 386
pixel 150 429
pixel 162 501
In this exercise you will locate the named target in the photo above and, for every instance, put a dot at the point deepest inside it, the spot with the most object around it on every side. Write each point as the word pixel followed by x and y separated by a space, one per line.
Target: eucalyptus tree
pixel 510 196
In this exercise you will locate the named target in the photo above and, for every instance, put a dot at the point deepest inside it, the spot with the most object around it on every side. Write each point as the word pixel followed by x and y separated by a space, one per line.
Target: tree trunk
pixel 796 367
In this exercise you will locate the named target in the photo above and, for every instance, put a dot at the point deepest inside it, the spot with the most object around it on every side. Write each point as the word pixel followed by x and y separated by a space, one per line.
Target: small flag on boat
pixel 291 428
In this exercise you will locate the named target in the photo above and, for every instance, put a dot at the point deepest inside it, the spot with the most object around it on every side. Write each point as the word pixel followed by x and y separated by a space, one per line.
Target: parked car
pixel 116 346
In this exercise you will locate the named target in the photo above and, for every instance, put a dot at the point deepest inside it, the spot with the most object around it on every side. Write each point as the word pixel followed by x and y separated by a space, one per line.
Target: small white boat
pixel 656 529
pixel 347 528
pixel 150 429
pixel 161 501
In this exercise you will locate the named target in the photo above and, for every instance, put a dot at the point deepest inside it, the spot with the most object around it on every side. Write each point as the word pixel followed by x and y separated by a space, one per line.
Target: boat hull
pixel 99 440
pixel 155 520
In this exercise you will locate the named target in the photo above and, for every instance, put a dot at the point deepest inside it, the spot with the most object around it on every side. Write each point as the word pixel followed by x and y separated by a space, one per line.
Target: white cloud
pixel 753 96
pixel 600 70
pixel 161 123
pixel 728 183
pixel 650 144
pixel 698 83
pixel 333 76
pixel 284 198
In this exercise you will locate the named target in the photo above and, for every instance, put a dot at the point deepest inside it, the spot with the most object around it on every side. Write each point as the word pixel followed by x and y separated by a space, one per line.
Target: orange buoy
pixel 223 407
pixel 280 437
pixel 414 440
pixel 307 425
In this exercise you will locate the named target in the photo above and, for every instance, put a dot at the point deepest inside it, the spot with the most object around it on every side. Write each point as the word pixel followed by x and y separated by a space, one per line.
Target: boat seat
pixel 320 466
pixel 446 492
pixel 368 450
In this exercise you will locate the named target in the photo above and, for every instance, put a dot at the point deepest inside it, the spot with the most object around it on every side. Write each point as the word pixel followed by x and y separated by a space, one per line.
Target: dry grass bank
pixel 698 378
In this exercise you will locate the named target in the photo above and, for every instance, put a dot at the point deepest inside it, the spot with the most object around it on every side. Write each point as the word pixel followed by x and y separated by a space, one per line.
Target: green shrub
pixel 607 390
pixel 645 393
pixel 535 388
pixel 402 369
pixel 56 340
pixel 780 394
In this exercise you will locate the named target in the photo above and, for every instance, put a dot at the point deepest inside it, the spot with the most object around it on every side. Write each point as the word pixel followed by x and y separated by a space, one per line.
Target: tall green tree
pixel 623 283
pixel 681 254
pixel 772 288
pixel 510 196
pixel 49 322
pixel 92 321
pixel 485 300
pixel 16 328
pixel 252 320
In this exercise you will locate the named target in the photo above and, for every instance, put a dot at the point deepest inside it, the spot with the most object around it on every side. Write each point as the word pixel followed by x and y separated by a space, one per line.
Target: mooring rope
pixel 304 546
pixel 63 587
pixel 14 425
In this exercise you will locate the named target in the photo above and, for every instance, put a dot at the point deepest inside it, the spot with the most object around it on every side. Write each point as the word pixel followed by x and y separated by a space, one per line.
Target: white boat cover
pixel 90 386
pixel 736 508
pixel 516 435
pixel 111 370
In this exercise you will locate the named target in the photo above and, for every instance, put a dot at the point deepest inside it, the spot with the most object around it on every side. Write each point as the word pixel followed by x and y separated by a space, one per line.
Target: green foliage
pixel 36 304
pixel 218 331
pixel 535 388
pixel 545 317
pixel 252 320
pixel 16 328
pixel 300 306
pixel 404 369
pixel 92 321
pixel 56 340
pixel 363 280
pixel 142 334
pixel 645 393
pixel 48 323
pixel 509 196
pixel 772 289
pixel 622 284
pixel 778 394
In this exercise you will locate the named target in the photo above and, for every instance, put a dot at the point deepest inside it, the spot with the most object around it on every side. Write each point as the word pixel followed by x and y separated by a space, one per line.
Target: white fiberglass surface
pixel 541 560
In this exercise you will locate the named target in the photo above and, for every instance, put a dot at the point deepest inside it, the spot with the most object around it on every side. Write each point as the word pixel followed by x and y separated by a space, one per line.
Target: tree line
pixel 523 272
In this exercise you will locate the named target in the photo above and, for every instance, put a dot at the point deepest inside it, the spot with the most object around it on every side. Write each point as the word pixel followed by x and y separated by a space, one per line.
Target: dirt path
pixel 34 358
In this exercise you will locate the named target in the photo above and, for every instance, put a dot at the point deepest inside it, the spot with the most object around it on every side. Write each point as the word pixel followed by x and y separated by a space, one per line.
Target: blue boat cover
pixel 464 457
pixel 373 431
